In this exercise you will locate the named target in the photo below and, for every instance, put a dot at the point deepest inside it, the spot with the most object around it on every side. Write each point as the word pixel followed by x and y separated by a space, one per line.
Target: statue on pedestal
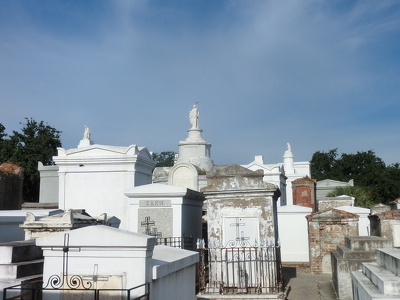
pixel 194 116
pixel 86 134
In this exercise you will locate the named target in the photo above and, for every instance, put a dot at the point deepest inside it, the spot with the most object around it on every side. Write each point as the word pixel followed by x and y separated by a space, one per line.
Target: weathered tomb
pixel 334 202
pixel 241 207
pixel 11 182
pixel 364 227
pixel 387 225
pixel 242 232
pixel 304 192
pixel 324 187
pixel 327 230
pixel 349 257
pixel 62 221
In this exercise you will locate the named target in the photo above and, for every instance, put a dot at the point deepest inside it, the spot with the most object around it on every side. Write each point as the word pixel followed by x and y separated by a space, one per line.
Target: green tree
pixel 322 164
pixel 362 196
pixel 164 159
pixel 368 171
pixel 36 142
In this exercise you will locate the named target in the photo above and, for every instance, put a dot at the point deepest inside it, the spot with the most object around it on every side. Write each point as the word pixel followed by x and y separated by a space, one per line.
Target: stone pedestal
pixel 195 150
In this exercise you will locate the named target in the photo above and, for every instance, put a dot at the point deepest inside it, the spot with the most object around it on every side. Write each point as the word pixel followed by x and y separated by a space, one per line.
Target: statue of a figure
pixel 194 116
pixel 86 134
pixel 289 147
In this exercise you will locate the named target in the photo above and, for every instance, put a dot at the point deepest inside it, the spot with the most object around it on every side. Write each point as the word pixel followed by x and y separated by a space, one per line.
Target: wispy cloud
pixel 266 72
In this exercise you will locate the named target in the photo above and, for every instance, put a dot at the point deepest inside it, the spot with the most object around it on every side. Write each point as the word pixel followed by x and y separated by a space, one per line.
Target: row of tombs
pixel 241 222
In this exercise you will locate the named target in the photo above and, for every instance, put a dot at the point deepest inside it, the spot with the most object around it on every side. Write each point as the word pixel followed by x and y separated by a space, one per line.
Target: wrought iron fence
pixel 31 291
pixel 240 270
pixel 186 243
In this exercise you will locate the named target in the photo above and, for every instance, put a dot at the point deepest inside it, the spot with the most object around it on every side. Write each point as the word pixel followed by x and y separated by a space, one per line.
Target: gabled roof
pixel 331 214
pixel 233 171
pixel 104 150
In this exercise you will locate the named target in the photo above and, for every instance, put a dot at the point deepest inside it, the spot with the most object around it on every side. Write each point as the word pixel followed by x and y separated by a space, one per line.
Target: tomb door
pixel 241 238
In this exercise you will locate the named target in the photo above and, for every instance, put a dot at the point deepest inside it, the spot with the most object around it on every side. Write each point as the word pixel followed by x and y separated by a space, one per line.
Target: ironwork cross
pixel 95 278
pixel 237 225
pixel 243 238
pixel 147 223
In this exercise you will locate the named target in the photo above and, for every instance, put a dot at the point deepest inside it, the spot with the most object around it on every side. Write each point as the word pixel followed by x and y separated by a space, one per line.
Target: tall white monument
pixel 195 150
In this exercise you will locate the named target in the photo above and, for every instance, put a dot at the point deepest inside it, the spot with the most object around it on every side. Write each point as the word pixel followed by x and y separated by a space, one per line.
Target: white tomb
pixel 165 211
pixel 293 233
pixel 94 177
pixel 102 257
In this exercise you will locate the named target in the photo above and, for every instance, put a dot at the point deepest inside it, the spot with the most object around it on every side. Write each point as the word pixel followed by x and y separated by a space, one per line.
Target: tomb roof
pixel 97 236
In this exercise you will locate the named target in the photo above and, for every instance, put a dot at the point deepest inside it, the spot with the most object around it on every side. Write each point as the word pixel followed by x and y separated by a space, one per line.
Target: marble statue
pixel 194 116
pixel 86 134
pixel 289 147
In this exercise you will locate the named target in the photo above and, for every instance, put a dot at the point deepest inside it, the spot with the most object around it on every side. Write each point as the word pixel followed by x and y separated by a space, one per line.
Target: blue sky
pixel 318 74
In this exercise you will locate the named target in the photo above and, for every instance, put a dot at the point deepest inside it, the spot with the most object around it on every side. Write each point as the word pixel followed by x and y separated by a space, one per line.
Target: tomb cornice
pixel 250 194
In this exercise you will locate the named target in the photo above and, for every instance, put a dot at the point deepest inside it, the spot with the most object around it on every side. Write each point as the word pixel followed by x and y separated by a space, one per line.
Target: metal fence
pixel 240 270
pixel 186 243
pixel 33 291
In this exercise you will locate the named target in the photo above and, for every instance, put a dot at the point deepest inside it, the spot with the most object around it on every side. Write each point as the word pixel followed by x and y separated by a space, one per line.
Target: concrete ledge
pixel 386 281
pixel 167 260
pixel 364 289
pixel 346 253
pixel 367 243
pixel 389 259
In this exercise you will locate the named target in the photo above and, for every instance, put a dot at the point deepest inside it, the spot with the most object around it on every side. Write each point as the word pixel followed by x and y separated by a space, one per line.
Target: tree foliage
pixel 164 159
pixel 36 142
pixel 368 171
pixel 361 194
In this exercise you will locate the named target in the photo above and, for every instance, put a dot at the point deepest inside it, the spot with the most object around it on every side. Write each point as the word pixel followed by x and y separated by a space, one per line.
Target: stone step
pixel 21 269
pixel 364 289
pixel 13 252
pixel 367 243
pixel 390 259
pixel 347 253
pixel 385 281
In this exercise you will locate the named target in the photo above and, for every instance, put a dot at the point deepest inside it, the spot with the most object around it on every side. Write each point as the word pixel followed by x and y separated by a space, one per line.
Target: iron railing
pixel 186 243
pixel 29 291
pixel 240 270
